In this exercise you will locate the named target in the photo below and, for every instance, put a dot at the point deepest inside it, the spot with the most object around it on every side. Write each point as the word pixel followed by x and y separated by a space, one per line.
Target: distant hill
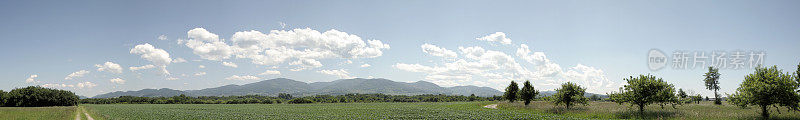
pixel 273 87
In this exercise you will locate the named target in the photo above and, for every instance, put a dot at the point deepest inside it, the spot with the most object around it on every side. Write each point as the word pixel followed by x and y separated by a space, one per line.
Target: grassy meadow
pixel 611 110
pixel 38 113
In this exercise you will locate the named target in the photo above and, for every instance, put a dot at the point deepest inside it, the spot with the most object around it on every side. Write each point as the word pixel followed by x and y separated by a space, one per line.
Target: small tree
pixel 682 96
pixel 594 97
pixel 472 97
pixel 712 82
pixel 569 94
pixel 511 92
pixel 645 90
pixel 767 87
pixel 527 93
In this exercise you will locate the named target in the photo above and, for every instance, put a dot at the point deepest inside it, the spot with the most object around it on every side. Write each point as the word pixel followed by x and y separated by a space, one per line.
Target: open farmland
pixel 448 110
pixel 38 113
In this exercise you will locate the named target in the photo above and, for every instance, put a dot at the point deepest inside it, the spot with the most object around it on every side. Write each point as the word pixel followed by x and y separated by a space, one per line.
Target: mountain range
pixel 273 87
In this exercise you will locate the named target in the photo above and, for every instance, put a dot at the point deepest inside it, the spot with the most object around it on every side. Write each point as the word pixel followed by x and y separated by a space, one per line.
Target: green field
pixel 610 110
pixel 38 113
pixel 442 110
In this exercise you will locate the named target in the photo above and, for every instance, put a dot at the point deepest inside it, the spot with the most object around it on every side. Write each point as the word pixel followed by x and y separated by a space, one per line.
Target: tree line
pixel 286 98
pixel 766 87
pixel 35 96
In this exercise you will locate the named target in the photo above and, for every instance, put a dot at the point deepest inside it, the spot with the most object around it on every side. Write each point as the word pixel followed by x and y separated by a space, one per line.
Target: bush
pixel 35 96
pixel 299 101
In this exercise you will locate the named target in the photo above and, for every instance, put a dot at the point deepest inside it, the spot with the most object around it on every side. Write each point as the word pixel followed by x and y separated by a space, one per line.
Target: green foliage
pixel 527 93
pixel 767 87
pixel 284 96
pixel 569 94
pixel 511 92
pixel 2 98
pixel 35 96
pixel 712 82
pixel 257 99
pixel 299 101
pixel 594 97
pixel 645 90
pixel 682 94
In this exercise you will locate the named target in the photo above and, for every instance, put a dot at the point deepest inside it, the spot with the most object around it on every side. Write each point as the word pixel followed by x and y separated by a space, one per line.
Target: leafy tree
pixel 645 90
pixel 472 97
pixel 299 101
pixel 284 96
pixel 35 96
pixel 511 92
pixel 2 98
pixel 527 93
pixel 697 98
pixel 712 82
pixel 569 94
pixel 682 94
pixel 767 87
pixel 594 97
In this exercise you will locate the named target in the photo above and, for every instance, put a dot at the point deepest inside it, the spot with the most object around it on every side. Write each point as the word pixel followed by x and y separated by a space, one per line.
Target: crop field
pixel 441 110
pixel 37 113
pixel 609 110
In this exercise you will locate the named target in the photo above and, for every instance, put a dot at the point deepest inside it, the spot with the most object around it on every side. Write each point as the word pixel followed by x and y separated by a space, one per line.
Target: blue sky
pixel 593 43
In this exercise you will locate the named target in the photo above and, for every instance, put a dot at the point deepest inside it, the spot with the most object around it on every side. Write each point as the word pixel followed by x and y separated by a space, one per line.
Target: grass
pixel 38 113
pixel 610 110
pixel 444 110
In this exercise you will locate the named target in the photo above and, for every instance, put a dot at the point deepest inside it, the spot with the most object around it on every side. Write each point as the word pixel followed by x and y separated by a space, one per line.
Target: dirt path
pixel 87 114
pixel 78 114
pixel 492 106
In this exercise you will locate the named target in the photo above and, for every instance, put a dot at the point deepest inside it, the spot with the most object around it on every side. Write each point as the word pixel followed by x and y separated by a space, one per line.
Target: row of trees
pixel 35 96
pixel 284 98
pixel 766 87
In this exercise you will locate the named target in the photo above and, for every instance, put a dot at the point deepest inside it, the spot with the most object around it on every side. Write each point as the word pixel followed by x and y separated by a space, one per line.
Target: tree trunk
pixel 764 112
pixel 641 108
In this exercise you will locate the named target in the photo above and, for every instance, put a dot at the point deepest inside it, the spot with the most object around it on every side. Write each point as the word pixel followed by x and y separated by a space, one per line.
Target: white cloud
pixel 117 81
pixel 201 66
pixel 110 67
pixel 279 46
pixel 270 72
pixel 173 78
pixel 230 64
pixel 199 73
pixel 207 45
pixel 496 37
pixel 246 77
pixel 32 79
pixel 86 85
pixel 76 74
pixel 495 69
pixel 51 85
pixel 437 51
pixel 365 65
pixel 341 73
pixel 307 63
pixel 179 60
pixel 162 37
pixel 141 67
pixel 158 57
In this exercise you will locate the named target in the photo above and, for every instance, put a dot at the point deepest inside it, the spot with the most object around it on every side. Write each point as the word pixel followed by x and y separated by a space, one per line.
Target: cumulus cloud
pixel 141 67
pixel 179 60
pixel 301 46
pixel 365 65
pixel 207 45
pixel 201 66
pixel 76 74
pixel 86 85
pixel 270 72
pixel 341 73
pixel 32 79
pixel 230 64
pixel 496 37
pixel 110 67
pixel 173 78
pixel 246 77
pixel 199 73
pixel 162 37
pixel 437 51
pixel 478 66
pixel 117 81
pixel 158 57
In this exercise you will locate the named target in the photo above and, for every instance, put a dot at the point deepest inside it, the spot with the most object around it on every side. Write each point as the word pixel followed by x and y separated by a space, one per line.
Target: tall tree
pixel 712 83
pixel 527 93
pixel 511 92
pixel 767 87
pixel 569 94
pixel 682 95
pixel 645 90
